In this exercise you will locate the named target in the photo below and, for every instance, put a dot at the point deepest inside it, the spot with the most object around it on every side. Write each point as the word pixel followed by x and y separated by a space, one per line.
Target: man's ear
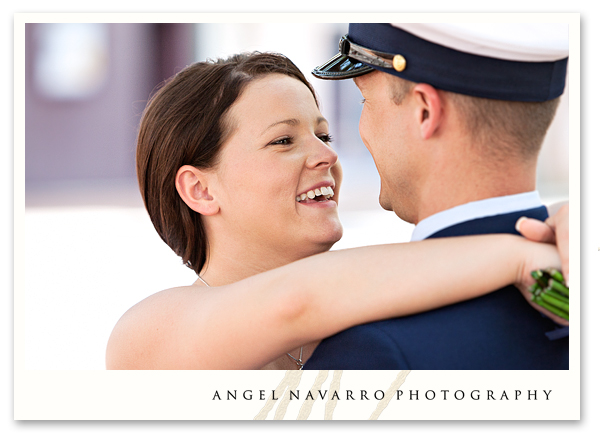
pixel 193 187
pixel 429 107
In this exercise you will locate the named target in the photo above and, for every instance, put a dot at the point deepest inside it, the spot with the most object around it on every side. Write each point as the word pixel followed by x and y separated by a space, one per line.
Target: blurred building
pixel 86 87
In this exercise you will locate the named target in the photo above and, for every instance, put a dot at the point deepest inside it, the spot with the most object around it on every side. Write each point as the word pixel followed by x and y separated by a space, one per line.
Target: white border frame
pixel 179 395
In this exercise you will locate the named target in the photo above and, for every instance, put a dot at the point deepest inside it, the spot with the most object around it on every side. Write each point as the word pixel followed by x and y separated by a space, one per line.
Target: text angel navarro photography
pixel 378 395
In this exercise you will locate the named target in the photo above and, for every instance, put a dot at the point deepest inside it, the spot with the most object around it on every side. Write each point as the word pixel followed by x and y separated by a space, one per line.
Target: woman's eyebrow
pixel 292 122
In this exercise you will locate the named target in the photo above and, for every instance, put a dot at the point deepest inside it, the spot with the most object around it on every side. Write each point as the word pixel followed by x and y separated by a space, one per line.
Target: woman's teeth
pixel 325 192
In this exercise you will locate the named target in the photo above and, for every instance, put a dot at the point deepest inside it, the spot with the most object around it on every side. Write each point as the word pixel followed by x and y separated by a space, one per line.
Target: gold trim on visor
pixel 373 57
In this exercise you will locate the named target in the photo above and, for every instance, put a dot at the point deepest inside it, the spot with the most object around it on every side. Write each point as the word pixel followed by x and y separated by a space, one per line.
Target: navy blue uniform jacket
pixel 497 331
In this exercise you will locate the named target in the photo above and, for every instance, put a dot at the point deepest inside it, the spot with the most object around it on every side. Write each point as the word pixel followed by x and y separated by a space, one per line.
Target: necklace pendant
pixel 298 360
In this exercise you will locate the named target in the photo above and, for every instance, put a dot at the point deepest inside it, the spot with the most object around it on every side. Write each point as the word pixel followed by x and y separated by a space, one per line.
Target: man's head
pixel 451 107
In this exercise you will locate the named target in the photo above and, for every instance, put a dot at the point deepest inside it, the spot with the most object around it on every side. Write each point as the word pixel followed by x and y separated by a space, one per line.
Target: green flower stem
pixel 550 292
pixel 559 287
pixel 540 277
pixel 554 310
pixel 554 301
pixel 556 275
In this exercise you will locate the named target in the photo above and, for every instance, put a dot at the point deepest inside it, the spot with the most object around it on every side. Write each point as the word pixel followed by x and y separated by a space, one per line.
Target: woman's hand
pixel 554 230
pixel 538 256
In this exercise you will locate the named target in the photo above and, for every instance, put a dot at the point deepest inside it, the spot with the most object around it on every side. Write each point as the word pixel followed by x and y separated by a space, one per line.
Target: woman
pixel 239 178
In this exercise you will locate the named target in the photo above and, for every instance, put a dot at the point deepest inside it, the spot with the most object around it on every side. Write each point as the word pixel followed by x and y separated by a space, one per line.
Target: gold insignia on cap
pixel 399 63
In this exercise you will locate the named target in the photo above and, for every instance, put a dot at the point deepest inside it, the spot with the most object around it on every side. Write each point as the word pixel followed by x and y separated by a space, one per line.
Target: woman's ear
pixel 429 105
pixel 193 187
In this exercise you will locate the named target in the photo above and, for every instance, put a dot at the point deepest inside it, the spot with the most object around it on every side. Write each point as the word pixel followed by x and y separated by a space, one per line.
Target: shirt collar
pixel 474 210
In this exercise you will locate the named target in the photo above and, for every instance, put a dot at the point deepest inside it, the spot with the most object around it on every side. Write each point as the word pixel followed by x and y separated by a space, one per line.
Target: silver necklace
pixel 298 360
pixel 203 281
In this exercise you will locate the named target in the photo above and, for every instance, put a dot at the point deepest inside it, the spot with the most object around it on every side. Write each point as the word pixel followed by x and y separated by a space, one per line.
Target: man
pixel 454 117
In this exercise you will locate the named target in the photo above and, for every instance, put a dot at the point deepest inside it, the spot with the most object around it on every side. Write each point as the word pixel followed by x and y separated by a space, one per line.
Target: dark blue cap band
pixel 460 72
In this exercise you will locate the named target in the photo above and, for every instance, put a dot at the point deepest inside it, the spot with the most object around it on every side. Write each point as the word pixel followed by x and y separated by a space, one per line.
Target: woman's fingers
pixel 559 223
pixel 554 230
pixel 535 230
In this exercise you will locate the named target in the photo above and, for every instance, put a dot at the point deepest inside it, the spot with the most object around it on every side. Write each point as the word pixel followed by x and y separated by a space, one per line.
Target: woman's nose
pixel 322 155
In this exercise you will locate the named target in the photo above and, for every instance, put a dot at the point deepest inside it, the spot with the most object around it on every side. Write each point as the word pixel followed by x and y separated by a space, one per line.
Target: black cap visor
pixel 351 61
pixel 341 67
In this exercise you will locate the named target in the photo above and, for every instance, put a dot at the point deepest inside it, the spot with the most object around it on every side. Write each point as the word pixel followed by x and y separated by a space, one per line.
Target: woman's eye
pixel 362 101
pixel 326 138
pixel 283 141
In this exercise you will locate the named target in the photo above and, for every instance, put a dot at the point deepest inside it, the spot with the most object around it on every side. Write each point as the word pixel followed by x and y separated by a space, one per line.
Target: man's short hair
pixel 510 128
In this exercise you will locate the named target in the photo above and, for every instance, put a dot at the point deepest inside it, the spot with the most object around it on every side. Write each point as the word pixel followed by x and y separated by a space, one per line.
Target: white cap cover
pixel 530 42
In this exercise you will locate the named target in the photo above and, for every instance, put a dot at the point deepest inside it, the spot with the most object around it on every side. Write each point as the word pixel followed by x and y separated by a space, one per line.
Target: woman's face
pixel 274 164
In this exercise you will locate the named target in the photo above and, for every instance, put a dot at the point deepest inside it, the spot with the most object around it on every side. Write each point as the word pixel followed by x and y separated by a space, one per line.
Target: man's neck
pixel 465 183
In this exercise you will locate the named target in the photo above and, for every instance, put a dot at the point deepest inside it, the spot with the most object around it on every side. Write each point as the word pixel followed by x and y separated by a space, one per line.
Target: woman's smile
pixel 321 193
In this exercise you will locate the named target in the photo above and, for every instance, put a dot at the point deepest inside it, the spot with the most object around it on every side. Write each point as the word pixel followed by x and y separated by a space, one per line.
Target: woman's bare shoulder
pixel 147 328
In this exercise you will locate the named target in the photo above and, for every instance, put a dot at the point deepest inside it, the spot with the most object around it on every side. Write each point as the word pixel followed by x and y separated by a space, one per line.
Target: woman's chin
pixel 328 238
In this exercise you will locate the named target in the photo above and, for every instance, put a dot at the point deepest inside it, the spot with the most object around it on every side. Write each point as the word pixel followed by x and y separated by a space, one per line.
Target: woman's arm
pixel 247 324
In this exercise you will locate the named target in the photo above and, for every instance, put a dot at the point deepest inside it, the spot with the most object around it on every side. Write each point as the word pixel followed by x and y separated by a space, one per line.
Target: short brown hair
pixel 184 123
pixel 511 128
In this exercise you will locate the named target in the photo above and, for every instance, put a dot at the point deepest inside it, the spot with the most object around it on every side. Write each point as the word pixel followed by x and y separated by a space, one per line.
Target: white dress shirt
pixel 474 210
